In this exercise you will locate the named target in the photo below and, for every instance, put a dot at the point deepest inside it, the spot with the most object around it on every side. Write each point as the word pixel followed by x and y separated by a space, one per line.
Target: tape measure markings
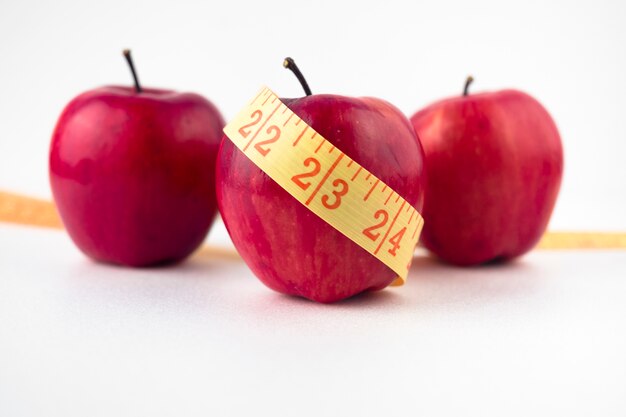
pixel 387 200
pixel 288 118
pixel 371 189
pixel 262 126
pixel 416 229
pixel 268 97
pixel 303 163
pixel 356 173
pixel 389 229
pixel 263 91
pixel 320 145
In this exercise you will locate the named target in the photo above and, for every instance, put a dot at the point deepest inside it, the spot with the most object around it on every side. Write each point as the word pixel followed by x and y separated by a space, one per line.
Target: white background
pixel 568 54
pixel 541 336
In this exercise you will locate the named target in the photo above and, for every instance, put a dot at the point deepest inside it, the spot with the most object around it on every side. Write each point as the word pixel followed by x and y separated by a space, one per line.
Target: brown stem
pixel 468 81
pixel 290 64
pixel 129 59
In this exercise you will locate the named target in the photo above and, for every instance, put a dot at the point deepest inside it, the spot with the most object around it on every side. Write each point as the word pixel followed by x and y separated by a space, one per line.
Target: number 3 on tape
pixel 327 181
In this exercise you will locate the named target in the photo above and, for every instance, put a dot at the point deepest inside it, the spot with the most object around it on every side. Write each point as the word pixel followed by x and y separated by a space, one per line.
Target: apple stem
pixel 468 81
pixel 290 64
pixel 129 59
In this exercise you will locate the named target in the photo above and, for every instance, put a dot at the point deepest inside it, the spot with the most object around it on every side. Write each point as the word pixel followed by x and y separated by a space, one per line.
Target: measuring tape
pixel 327 181
pixel 15 208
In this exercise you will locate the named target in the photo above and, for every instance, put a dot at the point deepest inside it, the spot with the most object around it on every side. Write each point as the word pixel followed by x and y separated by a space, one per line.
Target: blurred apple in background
pixel 494 163
pixel 132 172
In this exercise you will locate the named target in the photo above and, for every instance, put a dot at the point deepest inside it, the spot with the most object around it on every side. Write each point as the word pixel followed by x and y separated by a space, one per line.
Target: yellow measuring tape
pixel 327 181
pixel 21 209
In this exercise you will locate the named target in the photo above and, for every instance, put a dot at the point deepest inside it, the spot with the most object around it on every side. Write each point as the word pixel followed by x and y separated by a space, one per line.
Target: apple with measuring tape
pixel 132 172
pixel 286 244
pixel 494 163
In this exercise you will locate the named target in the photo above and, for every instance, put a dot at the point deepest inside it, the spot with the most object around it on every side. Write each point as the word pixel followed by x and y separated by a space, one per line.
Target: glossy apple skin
pixel 287 246
pixel 133 174
pixel 494 163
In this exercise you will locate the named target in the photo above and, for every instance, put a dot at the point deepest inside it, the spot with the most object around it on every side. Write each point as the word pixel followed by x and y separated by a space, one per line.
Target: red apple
pixel 494 163
pixel 288 247
pixel 132 172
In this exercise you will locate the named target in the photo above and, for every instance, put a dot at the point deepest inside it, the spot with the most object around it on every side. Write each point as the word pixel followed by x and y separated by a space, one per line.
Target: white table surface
pixel 543 336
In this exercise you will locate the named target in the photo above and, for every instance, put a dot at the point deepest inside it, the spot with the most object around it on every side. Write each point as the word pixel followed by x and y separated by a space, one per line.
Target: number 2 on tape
pixel 327 181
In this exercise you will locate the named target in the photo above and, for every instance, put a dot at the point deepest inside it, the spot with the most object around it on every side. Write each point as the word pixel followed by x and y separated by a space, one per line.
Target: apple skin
pixel 288 247
pixel 132 174
pixel 494 163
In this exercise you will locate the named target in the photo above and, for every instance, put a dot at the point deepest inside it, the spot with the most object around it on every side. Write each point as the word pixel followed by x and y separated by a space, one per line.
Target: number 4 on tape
pixel 327 181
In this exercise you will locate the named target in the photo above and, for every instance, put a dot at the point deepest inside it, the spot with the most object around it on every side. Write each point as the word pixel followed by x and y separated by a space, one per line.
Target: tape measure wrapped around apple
pixel 321 195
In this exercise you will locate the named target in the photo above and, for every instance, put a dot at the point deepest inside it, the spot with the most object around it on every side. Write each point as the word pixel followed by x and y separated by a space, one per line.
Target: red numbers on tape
pixel 342 189
pixel 272 130
pixel 382 216
pixel 299 178
pixel 256 118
